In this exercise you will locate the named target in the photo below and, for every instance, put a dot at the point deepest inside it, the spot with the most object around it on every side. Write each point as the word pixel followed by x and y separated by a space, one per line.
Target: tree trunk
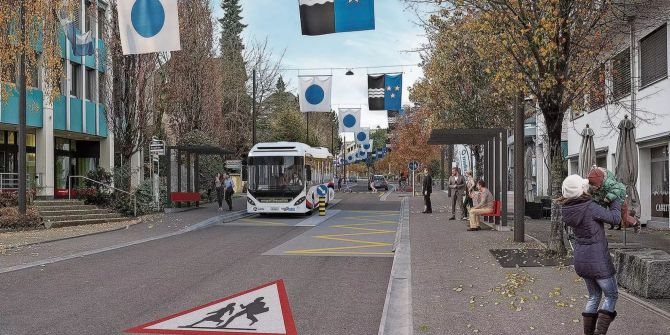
pixel 554 120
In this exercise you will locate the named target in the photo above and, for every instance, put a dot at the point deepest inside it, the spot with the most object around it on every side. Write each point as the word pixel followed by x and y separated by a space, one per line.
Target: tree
pixel 40 47
pixel 129 112
pixel 187 79
pixel 236 104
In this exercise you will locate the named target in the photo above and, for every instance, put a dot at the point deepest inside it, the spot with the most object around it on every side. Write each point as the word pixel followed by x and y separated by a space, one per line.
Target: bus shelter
pixel 183 182
pixel 494 142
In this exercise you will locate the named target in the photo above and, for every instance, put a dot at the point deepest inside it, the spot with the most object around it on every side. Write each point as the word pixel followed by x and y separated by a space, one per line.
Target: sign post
pixel 156 149
pixel 322 191
pixel 413 166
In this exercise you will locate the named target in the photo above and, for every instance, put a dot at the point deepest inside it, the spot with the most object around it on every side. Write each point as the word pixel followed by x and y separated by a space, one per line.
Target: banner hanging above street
pixel 350 119
pixel 319 17
pixel 148 26
pixel 315 93
pixel 385 92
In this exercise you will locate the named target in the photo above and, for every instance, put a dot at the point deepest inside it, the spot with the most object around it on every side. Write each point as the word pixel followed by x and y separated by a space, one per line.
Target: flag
pixel 367 147
pixel 363 136
pixel 385 92
pixel 350 119
pixel 147 26
pixel 82 44
pixel 315 93
pixel 319 17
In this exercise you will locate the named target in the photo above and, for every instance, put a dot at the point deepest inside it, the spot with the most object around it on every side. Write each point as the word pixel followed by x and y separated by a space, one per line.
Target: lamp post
pixel 22 113
pixel 519 199
pixel 253 110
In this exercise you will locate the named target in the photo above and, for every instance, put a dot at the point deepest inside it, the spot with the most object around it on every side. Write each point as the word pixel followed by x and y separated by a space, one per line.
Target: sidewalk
pixel 155 227
pixel 458 287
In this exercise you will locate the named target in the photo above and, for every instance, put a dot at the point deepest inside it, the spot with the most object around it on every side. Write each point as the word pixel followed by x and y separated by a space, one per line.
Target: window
pixel 62 84
pixel 101 87
pixel 654 56
pixel 597 92
pixel 33 72
pixel 101 22
pixel 621 74
pixel 90 23
pixel 91 85
pixel 75 87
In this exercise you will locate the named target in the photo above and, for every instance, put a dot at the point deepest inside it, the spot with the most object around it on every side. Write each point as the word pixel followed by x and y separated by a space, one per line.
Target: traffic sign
pixel 322 190
pixel 261 310
pixel 234 164
pixel 413 165
pixel 157 147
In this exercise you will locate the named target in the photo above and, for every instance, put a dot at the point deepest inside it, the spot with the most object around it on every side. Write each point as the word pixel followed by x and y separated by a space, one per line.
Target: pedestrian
pixel 339 183
pixel 372 185
pixel 427 190
pixel 218 186
pixel 605 189
pixel 457 186
pixel 467 199
pixel 592 259
pixel 229 189
pixel 484 205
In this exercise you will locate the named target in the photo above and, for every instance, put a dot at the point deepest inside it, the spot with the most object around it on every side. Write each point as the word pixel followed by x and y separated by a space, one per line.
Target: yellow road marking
pixel 359 230
pixel 262 222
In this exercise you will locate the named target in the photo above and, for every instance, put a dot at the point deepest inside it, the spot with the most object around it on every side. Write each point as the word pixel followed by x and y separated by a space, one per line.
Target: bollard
pixel 322 206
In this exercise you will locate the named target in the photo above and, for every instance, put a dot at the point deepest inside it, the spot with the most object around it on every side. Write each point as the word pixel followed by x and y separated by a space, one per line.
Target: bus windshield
pixel 276 176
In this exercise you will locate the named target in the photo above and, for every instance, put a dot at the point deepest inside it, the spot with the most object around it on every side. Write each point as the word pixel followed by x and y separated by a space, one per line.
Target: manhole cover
pixel 511 258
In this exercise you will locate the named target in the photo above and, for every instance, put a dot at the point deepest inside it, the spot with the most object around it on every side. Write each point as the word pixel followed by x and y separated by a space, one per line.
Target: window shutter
pixel 654 56
pixel 621 74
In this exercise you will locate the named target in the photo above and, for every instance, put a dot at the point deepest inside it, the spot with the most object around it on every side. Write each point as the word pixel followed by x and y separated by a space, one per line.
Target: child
pixel 606 189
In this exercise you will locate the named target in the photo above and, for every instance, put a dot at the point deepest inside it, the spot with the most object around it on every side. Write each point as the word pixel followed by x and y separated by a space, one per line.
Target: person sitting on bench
pixel 484 200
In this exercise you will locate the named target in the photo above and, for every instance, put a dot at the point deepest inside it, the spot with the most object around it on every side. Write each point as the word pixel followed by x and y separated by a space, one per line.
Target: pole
pixel 519 199
pixel 22 114
pixel 413 183
pixel 307 135
pixel 442 153
pixel 253 110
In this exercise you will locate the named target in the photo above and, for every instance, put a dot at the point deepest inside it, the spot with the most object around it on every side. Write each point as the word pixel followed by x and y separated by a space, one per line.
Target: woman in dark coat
pixel 592 259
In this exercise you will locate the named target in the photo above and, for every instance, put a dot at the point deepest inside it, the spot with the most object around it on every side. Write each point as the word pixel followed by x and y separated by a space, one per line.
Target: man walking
pixel 427 190
pixel 457 186
pixel 229 189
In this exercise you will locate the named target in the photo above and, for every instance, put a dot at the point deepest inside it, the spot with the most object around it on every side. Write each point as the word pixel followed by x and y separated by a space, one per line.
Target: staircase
pixel 64 213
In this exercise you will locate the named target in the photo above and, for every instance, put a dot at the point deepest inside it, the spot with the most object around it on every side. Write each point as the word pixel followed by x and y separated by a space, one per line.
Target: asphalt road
pixel 108 292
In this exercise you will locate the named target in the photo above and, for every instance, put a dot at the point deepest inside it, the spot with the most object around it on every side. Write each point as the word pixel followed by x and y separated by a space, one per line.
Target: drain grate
pixel 511 258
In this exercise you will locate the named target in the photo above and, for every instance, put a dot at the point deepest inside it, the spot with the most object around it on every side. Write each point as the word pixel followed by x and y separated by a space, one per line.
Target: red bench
pixel 185 197
pixel 497 205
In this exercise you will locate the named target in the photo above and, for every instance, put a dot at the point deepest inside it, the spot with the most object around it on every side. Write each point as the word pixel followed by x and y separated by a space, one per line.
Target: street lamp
pixel 349 72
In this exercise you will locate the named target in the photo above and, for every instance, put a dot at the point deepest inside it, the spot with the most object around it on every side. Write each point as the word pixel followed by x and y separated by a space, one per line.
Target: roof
pixel 464 136
pixel 202 149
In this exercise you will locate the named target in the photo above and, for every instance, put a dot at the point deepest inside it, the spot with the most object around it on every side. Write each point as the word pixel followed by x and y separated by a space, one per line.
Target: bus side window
pixel 308 172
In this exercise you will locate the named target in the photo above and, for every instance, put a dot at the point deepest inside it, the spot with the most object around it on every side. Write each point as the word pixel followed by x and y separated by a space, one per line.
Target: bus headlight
pixel 300 201
pixel 251 202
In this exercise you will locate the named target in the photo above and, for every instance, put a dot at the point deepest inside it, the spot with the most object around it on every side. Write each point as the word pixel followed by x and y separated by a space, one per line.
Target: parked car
pixel 353 179
pixel 380 182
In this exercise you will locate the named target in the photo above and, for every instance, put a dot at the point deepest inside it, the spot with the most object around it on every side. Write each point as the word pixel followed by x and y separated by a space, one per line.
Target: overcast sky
pixel 392 43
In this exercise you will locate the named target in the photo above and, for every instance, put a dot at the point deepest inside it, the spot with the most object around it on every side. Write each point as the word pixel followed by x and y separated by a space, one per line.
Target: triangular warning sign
pixel 262 310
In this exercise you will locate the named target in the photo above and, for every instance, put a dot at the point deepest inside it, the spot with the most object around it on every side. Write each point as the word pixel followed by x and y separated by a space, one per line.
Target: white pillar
pixel 669 175
pixel 107 152
pixel 44 151
pixel 644 184
pixel 136 169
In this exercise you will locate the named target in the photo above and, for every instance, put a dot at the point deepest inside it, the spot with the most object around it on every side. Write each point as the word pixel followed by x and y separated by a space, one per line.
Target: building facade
pixel 637 88
pixel 68 136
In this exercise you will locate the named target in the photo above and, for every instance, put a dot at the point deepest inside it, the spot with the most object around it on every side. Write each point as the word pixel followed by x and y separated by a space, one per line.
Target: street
pixel 336 279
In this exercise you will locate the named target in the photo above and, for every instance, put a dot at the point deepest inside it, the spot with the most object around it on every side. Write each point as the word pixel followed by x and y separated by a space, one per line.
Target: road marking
pixel 317 220
pixel 261 310
pixel 262 222
pixel 360 229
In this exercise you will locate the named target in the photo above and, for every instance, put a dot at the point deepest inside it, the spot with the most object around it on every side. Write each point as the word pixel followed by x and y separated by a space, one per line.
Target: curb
pixel 397 314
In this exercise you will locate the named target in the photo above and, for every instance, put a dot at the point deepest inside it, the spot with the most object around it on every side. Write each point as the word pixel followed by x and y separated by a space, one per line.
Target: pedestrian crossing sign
pixel 262 310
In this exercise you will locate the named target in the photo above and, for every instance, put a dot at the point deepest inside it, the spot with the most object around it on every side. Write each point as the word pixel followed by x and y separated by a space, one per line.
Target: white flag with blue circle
pixel 315 93
pixel 362 136
pixel 350 120
pixel 148 26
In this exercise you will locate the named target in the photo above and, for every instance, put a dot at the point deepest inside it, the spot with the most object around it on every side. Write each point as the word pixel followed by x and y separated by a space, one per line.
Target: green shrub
pixel 10 218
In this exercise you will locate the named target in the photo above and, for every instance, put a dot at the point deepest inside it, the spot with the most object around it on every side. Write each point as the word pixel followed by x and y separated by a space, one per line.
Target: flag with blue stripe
pixel 319 17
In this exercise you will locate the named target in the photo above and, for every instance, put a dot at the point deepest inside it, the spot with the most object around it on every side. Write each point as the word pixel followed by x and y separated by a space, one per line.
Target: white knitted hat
pixel 574 186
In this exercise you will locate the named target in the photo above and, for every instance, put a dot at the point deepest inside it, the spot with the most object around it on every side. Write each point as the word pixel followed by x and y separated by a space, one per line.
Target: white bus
pixel 284 177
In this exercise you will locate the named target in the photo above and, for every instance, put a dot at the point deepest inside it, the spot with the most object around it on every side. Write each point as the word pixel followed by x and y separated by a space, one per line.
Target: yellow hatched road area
pixel 359 235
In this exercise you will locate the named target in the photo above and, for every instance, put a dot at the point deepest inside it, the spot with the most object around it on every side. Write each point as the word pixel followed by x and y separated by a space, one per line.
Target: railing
pixel 10 181
pixel 134 196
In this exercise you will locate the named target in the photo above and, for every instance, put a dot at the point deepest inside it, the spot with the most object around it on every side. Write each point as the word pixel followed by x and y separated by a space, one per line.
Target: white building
pixel 651 95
